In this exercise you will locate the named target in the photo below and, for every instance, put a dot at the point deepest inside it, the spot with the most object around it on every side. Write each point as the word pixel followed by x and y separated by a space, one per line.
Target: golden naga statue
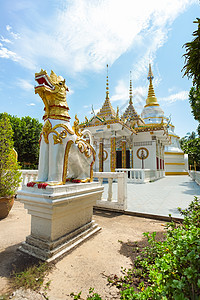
pixel 52 89
pixel 64 154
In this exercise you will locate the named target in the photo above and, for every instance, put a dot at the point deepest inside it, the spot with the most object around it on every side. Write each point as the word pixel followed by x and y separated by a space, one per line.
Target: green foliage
pixel 32 278
pixel 192 57
pixel 164 270
pixel 91 296
pixel 10 175
pixel 172 267
pixel 194 99
pixel 192 148
pixel 26 140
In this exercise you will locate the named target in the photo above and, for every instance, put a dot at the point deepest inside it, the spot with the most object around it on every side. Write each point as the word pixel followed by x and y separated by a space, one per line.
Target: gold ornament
pixel 57 137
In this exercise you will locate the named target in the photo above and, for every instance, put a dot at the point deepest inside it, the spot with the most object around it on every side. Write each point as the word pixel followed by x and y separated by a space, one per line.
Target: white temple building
pixel 131 141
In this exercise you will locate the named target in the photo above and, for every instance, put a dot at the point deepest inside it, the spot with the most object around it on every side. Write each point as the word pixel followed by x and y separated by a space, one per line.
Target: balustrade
pixel 195 175
pixel 115 188
pixel 142 175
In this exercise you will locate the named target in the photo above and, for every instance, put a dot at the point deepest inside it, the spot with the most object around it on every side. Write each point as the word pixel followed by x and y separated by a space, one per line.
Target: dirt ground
pixel 86 266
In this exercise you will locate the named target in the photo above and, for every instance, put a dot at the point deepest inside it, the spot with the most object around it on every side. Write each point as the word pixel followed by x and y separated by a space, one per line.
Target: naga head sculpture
pixel 52 89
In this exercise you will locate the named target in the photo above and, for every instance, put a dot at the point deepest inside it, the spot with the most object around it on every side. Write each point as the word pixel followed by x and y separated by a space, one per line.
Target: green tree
pixel 194 99
pixel 26 140
pixel 192 57
pixel 192 148
pixel 10 176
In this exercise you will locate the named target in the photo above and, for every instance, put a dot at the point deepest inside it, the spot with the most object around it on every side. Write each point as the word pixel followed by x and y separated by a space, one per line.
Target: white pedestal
pixel 61 217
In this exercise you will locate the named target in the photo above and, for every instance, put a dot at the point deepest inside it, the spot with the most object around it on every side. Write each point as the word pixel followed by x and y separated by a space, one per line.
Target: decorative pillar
pixel 113 154
pixel 101 155
pixel 131 158
pixel 123 153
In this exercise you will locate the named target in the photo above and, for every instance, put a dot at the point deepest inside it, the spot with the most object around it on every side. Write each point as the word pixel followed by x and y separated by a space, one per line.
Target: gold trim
pixel 176 173
pixel 173 153
pixel 124 154
pixel 106 155
pixel 152 104
pixel 84 147
pixel 68 146
pixel 113 154
pixel 101 157
pixel 145 149
pixel 115 121
pixel 57 137
pixel 174 163
pixel 176 136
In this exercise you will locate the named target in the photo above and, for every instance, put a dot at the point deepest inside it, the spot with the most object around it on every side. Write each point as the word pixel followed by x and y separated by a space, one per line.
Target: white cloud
pixel 180 96
pixel 5 40
pixel 25 84
pixel 85 35
pixel 121 92
pixel 31 104
pixel 5 53
pixel 8 27
pixel 13 34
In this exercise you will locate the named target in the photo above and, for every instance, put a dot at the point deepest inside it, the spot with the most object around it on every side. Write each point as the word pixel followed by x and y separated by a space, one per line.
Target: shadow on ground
pixel 106 214
pixel 133 249
pixel 192 188
pixel 12 260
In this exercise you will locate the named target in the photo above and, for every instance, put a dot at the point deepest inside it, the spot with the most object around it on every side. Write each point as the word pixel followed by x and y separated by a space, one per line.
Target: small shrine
pixel 133 141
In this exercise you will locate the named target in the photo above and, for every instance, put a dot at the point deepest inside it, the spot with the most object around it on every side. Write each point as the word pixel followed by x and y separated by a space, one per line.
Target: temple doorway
pixel 119 159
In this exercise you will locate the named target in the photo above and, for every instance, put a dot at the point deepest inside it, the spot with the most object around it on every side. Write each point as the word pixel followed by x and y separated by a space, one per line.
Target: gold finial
pixel 130 90
pixel 76 126
pixel 151 98
pixel 150 74
pixel 86 119
pixel 117 114
pixel 107 85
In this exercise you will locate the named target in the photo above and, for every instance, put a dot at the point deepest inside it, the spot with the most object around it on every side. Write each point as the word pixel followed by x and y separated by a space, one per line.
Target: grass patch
pixel 4 297
pixel 32 277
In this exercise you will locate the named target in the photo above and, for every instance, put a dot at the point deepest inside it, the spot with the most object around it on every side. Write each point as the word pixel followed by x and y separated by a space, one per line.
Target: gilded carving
pixel 124 154
pixel 113 154
pixel 76 126
pixel 57 137
pixel 84 147
pixel 142 153
pixel 52 89
pixel 62 152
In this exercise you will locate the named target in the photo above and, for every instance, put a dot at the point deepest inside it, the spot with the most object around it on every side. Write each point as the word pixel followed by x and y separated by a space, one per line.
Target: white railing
pixel 27 176
pixel 195 175
pixel 115 190
pixel 141 175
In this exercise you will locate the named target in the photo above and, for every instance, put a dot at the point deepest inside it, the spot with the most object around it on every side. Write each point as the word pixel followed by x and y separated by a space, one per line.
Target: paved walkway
pixel 162 197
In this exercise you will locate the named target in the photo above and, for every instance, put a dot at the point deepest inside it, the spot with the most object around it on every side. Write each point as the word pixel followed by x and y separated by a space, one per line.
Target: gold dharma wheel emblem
pixel 142 153
pixel 105 155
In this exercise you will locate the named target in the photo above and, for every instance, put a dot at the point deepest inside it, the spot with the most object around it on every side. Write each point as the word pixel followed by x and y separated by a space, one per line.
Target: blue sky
pixel 77 38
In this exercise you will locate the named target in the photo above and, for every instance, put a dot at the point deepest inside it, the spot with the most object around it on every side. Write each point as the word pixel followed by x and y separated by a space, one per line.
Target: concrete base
pixel 61 217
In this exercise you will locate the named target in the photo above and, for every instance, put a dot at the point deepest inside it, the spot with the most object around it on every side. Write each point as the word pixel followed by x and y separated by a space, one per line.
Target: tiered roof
pixel 130 115
pixel 107 112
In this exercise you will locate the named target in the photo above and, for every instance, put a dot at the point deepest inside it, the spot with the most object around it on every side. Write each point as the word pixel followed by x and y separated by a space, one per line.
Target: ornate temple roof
pixel 107 112
pixel 152 112
pixel 108 118
pixel 130 115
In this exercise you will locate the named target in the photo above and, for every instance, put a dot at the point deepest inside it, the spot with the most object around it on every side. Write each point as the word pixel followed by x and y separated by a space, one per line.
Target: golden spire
pixel 130 90
pixel 107 85
pixel 151 98
pixel 107 112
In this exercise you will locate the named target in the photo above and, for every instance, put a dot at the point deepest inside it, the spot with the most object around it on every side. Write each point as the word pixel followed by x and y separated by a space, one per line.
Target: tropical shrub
pixel 10 176
pixel 171 267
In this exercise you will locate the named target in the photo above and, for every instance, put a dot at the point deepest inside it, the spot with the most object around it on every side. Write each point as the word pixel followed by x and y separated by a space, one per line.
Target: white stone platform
pixel 61 217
